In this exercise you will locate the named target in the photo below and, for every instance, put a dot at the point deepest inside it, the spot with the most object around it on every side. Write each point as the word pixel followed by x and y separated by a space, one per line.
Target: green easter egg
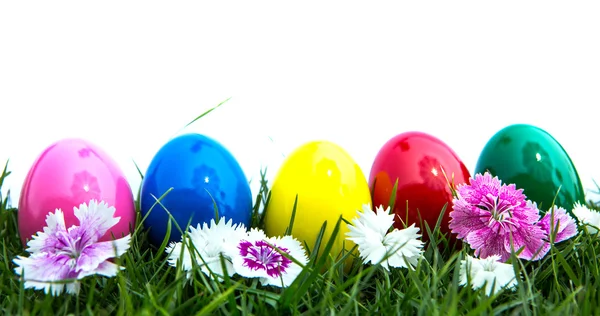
pixel 534 161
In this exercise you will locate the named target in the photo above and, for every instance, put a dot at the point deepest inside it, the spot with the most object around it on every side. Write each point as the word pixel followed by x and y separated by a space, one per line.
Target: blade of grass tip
pixel 273 142
pixel 215 207
pixel 139 226
pixel 170 216
pixel 392 202
pixel 202 115
pixel 597 185
pixel 138 169
pixel 436 229
pixel 288 230
pixel 165 241
pixel 317 246
pixel 5 173
pixel 265 205
pixel 217 301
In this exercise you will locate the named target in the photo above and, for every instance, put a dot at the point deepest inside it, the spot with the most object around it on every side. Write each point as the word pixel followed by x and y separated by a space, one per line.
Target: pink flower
pixel 71 254
pixel 256 257
pixel 496 219
pixel 564 225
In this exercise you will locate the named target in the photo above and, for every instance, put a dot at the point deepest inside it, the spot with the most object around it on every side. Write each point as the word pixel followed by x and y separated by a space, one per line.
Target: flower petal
pixel 490 272
pixel 370 244
pixel 295 250
pixel 92 256
pixel 379 221
pixel 587 217
pixel 465 218
pixel 45 241
pixel 95 220
pixel 257 258
pixel 40 269
pixel 486 243
pixel 106 268
pixel 174 250
pixel 208 244
pixel 405 247
pixel 563 225
pixel 532 238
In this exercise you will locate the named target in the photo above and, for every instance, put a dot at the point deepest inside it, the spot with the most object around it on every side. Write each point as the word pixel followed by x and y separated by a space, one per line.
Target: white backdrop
pixel 127 75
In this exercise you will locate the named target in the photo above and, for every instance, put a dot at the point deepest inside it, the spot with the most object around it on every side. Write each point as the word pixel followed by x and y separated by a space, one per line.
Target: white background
pixel 127 75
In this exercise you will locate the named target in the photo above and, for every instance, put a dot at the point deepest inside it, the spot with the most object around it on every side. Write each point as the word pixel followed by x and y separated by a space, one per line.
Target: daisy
pixel 256 257
pixel 61 254
pixel 564 226
pixel 495 219
pixel 370 231
pixel 587 217
pixel 490 272
pixel 208 244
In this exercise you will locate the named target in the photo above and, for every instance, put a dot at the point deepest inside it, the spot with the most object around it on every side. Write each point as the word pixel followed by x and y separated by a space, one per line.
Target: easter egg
pixel 534 161
pixel 328 184
pixel 68 173
pixel 416 160
pixel 202 175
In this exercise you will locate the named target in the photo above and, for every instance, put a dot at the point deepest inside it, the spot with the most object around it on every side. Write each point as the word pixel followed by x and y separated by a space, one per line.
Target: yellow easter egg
pixel 328 183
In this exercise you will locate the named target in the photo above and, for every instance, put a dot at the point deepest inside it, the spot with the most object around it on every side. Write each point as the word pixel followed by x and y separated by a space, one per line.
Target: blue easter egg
pixel 201 173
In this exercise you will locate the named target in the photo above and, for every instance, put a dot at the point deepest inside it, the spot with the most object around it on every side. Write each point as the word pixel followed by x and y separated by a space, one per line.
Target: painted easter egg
pixel 66 174
pixel 202 175
pixel 534 161
pixel 328 184
pixel 416 160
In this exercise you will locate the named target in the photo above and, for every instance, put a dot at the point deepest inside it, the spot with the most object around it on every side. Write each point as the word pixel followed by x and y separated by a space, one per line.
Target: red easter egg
pixel 416 161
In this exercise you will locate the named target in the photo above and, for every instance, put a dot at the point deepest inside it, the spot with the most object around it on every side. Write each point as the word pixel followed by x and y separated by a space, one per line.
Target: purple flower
pixel 496 219
pixel 564 226
pixel 61 254
pixel 256 257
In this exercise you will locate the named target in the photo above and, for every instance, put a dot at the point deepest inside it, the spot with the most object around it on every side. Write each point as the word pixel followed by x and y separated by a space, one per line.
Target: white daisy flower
pixel 370 231
pixel 209 243
pixel 256 257
pixel 487 271
pixel 587 217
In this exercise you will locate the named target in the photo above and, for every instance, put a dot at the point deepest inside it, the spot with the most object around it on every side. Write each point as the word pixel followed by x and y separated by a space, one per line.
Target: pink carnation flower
pixel 564 225
pixel 495 219
pixel 61 256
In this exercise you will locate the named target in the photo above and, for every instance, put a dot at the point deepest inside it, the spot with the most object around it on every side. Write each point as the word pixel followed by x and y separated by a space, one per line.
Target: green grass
pixel 565 282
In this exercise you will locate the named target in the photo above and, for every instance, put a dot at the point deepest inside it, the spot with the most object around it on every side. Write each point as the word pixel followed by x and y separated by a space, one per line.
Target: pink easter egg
pixel 68 173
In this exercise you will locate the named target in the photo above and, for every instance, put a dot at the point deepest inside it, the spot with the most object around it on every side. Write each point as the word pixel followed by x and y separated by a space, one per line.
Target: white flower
pixel 209 243
pixel 487 271
pixel 256 257
pixel 587 217
pixel 61 254
pixel 370 232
